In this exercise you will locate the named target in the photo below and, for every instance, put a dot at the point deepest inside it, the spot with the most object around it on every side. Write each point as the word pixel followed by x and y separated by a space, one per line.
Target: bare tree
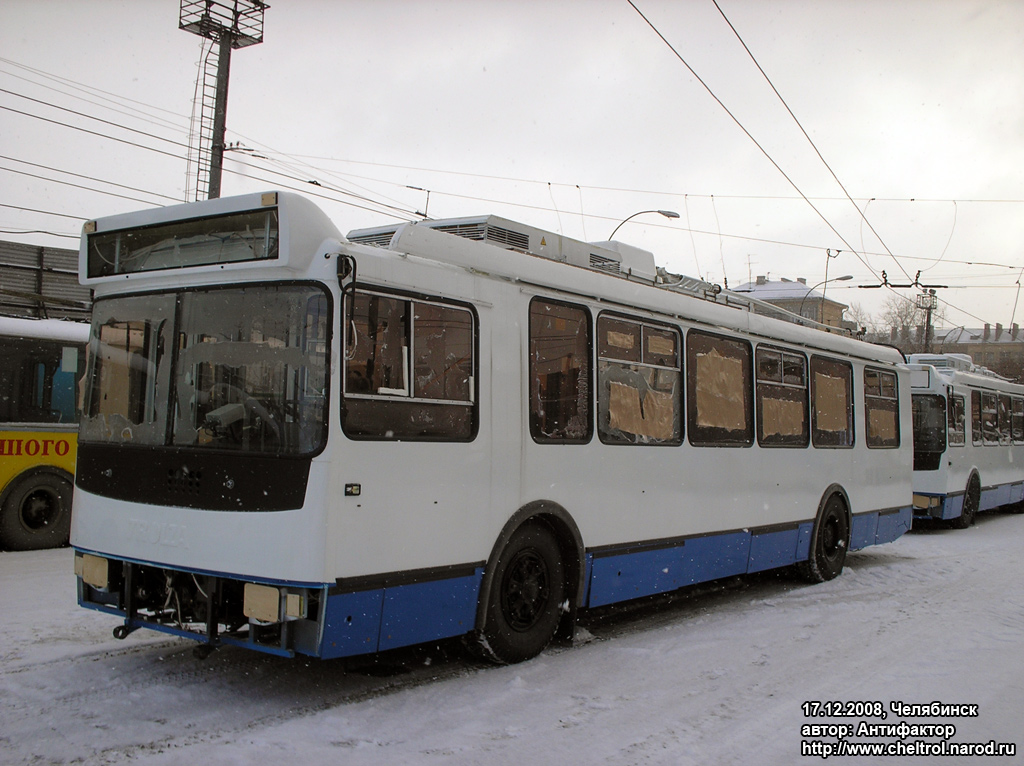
pixel 859 316
pixel 904 325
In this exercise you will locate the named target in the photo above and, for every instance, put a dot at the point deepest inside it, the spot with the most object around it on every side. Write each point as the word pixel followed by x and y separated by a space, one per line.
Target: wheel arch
pixel 836 490
pixel 570 543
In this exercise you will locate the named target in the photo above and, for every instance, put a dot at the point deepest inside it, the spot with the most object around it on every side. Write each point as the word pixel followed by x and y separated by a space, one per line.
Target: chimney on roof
pixel 999 332
pixel 988 331
pixel 802 280
pixel 762 281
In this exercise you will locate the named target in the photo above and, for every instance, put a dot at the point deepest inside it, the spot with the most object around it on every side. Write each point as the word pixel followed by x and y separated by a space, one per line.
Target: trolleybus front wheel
pixel 828 543
pixel 36 513
pixel 527 592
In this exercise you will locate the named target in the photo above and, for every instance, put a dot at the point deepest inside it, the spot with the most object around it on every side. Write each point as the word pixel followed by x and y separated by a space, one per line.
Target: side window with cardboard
pixel 720 401
pixel 782 398
pixel 882 409
pixel 831 403
pixel 639 382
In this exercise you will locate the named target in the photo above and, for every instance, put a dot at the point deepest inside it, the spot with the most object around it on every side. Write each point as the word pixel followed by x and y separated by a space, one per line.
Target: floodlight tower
pixel 227 24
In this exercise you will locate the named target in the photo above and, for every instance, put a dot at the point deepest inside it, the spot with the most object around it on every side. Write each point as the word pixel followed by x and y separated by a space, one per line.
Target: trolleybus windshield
pixel 239 368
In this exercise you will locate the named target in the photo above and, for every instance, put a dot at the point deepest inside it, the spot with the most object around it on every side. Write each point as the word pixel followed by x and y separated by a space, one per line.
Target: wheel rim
pixel 526 590
pixel 40 509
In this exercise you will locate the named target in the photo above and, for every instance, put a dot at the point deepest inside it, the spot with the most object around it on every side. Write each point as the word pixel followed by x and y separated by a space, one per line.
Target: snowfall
pixel 715 675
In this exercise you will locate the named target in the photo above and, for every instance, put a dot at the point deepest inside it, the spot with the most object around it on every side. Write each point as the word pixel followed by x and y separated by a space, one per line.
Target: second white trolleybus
pixel 301 442
pixel 968 439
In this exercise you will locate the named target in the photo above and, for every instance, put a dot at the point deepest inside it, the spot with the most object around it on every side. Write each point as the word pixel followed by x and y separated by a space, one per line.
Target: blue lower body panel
pixel 374 620
pixel 893 524
pixel 864 531
pixel 952 506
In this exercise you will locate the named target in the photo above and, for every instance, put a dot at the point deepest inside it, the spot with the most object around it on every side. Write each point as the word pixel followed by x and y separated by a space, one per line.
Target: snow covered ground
pixel 713 678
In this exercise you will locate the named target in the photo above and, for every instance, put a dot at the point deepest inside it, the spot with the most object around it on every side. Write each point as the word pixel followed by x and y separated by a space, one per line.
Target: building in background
pixel 1000 350
pixel 796 297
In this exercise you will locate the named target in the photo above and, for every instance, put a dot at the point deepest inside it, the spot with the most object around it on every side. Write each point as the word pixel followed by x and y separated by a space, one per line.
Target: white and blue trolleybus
pixel 968 439
pixel 307 443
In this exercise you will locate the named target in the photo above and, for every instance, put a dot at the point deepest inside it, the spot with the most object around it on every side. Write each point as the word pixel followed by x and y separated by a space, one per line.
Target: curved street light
pixel 666 213
pixel 844 278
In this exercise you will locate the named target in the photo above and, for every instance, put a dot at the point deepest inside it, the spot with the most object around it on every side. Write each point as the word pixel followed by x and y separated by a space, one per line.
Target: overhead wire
pixel 808 137
pixel 776 164
pixel 88 178
pixel 829 167
pixel 409 214
pixel 750 136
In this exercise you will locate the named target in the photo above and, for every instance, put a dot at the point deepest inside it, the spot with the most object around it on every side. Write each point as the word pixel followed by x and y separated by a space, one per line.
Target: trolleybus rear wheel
pixel 526 596
pixel 829 543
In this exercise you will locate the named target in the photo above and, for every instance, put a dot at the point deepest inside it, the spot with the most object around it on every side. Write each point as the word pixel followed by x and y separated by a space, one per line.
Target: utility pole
pixel 928 302
pixel 228 24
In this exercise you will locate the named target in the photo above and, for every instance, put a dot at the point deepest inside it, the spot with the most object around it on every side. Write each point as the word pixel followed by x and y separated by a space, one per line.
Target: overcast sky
pixel 569 116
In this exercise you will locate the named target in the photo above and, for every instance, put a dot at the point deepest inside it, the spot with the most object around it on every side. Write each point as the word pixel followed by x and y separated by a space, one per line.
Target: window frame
pixel 956 405
pixel 603 357
pixel 710 435
pixel 989 415
pixel 881 402
pixel 1017 420
pixel 587 323
pixel 819 438
pixel 762 384
pixel 1004 410
pixel 402 401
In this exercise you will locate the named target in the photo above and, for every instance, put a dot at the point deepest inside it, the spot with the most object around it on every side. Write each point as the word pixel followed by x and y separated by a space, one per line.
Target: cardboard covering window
pixel 720 392
pixel 654 418
pixel 782 417
pixel 830 403
pixel 882 426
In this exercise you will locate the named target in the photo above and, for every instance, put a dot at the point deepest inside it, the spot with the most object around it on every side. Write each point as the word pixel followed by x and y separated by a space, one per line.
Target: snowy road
pixel 715 678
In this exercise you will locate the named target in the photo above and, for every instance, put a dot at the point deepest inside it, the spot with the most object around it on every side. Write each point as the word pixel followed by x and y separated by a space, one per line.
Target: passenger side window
pixel 559 372
pixel 958 421
pixel 639 382
pixel 719 377
pixel 989 418
pixel 881 408
pixel 1018 419
pixel 976 430
pixel 782 416
pixel 832 403
pixel 1003 407
pixel 409 369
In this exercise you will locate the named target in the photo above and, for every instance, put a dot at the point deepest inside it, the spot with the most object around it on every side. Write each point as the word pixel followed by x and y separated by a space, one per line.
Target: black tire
pixel 972 499
pixel 526 596
pixel 829 543
pixel 36 513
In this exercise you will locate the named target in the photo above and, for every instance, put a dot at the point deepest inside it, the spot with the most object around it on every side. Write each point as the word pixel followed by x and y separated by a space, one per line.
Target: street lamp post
pixel 821 307
pixel 666 213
